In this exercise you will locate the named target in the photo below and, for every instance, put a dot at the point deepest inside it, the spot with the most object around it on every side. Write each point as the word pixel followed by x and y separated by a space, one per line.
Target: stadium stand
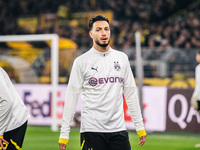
pixel 169 30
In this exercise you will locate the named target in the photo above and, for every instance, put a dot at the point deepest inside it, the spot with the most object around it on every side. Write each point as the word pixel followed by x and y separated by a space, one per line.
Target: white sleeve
pixel 73 91
pixel 5 108
pixel 196 93
pixel 5 101
pixel 131 97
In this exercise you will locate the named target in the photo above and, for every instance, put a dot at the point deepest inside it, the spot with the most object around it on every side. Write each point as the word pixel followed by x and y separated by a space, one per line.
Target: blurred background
pixel 170 36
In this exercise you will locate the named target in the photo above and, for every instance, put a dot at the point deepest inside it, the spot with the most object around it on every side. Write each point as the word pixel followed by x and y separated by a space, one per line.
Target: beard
pixel 102 45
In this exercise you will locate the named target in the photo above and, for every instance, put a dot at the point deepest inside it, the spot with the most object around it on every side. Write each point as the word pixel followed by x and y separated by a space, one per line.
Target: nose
pixel 103 32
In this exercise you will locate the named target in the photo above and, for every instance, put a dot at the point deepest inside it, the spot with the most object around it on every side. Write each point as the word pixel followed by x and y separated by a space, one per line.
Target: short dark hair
pixel 198 51
pixel 97 18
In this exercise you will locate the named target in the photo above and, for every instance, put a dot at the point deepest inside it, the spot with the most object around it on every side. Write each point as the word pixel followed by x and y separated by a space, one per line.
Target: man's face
pixel 100 33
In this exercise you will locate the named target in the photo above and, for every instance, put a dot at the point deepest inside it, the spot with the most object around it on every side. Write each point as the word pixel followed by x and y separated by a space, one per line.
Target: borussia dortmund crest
pixel 117 66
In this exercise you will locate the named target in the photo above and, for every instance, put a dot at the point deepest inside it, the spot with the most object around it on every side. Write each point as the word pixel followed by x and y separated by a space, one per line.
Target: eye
pixel 98 29
pixel 107 29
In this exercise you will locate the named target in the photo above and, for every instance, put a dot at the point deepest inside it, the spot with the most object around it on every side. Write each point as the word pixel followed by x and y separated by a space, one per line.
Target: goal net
pixel 33 62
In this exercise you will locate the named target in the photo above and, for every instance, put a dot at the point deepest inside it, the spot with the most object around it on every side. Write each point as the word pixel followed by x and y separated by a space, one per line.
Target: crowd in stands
pixel 162 23
pixel 148 17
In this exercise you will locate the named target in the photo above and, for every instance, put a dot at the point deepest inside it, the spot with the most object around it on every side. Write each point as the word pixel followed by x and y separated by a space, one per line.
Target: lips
pixel 104 39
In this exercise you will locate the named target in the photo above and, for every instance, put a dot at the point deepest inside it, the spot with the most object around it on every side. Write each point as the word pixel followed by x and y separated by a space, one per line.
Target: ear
pixel 90 33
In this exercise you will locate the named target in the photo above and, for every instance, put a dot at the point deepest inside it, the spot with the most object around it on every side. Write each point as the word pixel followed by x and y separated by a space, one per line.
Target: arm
pixel 196 93
pixel 73 92
pixel 5 102
pixel 135 112
pixel 68 115
pixel 132 100
pixel 5 108
pixel 5 105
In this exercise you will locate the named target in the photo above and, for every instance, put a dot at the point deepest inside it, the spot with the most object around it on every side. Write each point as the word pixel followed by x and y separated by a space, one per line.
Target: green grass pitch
pixel 42 138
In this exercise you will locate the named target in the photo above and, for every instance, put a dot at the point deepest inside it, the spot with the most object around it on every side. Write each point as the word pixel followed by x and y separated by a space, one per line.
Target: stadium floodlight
pixel 54 66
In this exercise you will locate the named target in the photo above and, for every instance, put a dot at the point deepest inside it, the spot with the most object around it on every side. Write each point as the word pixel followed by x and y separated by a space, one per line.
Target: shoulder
pixel 84 56
pixel 198 66
pixel 82 59
pixel 2 71
pixel 119 53
pixel 197 69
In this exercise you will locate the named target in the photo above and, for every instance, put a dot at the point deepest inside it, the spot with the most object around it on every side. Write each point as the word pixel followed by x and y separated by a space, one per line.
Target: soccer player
pixel 102 75
pixel 195 100
pixel 13 115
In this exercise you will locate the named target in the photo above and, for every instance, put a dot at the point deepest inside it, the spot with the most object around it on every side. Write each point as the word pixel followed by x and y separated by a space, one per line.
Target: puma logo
pixel 94 68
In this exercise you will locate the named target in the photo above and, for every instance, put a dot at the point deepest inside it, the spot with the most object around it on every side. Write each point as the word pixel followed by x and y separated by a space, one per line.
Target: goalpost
pixel 54 65
pixel 139 67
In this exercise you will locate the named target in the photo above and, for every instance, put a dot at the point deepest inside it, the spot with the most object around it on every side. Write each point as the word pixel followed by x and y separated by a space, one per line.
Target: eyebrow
pixel 102 27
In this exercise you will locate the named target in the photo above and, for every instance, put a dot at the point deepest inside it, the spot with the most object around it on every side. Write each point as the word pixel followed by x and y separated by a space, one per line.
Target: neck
pixel 101 49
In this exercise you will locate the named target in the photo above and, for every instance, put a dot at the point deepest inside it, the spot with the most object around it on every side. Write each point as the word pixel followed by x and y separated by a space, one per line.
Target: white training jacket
pixel 101 79
pixel 13 112
pixel 196 92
